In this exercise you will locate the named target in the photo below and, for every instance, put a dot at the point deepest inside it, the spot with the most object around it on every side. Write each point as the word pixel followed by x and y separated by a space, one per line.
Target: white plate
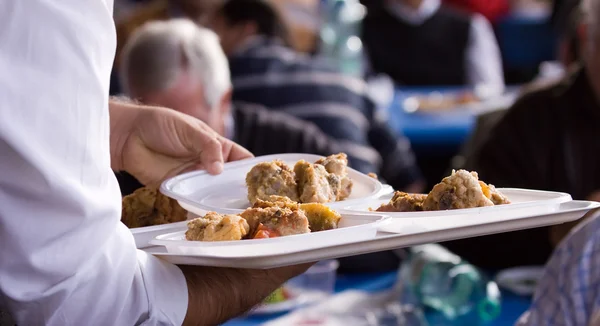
pixel 143 235
pixel 352 227
pixel 523 202
pixel 226 193
pixel 415 232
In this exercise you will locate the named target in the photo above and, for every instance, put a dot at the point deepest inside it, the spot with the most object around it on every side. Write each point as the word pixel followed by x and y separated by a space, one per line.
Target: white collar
pixel 414 17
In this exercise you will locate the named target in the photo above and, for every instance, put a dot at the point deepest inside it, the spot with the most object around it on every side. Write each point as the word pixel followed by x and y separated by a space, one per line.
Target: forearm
pixel 122 112
pixel 219 294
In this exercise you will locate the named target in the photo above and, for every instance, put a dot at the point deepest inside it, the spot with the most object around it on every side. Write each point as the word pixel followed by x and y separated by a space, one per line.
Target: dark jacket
pixel 546 141
pixel 431 53
pixel 272 75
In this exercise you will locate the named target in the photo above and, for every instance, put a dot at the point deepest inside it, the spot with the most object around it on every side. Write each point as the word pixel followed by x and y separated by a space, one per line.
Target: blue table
pixel 512 305
pixel 431 130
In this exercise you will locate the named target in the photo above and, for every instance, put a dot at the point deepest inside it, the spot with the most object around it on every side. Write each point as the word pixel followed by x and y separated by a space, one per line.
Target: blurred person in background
pixel 492 10
pixel 544 141
pixel 179 65
pixel 266 71
pixel 422 43
pixel 568 293
pixel 131 14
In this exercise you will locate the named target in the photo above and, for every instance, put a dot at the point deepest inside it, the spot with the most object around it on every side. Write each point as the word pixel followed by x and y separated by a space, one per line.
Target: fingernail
pixel 216 167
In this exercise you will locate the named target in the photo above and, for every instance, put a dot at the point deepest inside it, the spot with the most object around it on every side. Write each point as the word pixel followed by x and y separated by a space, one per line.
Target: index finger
pixel 233 151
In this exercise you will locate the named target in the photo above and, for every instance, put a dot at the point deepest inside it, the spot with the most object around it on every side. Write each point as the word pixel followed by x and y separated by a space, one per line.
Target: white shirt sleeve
pixel 483 58
pixel 65 258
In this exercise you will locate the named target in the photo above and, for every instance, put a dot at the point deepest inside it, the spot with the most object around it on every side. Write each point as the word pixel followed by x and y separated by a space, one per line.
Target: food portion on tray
pixel 148 207
pixel 275 217
pixel 323 181
pixel 462 189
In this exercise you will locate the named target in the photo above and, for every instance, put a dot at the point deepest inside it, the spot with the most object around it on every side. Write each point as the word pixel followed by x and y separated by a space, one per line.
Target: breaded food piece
pixel 271 178
pixel 373 175
pixel 404 202
pixel 148 207
pixel 276 201
pixel 338 165
pixel 459 190
pixel 138 207
pixel 494 195
pixel 284 221
pixel 217 227
pixel 314 183
pixel 320 217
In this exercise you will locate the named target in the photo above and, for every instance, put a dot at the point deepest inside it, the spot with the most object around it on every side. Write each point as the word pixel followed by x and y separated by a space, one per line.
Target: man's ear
pixel 225 102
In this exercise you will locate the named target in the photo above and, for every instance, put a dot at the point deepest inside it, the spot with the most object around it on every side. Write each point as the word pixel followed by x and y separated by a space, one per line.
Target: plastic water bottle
pixel 340 35
pixel 452 291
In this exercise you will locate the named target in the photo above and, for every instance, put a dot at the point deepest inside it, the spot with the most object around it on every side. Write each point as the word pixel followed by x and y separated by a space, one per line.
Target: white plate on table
pixel 199 192
pixel 410 232
pixel 523 202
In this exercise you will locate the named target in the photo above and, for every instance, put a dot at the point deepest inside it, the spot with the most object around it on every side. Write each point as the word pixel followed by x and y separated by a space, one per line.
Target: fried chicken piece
pixel 460 190
pixel 271 178
pixel 404 202
pixel 147 207
pixel 217 227
pixel 320 217
pixel 315 183
pixel 283 221
pixel 338 165
pixel 373 175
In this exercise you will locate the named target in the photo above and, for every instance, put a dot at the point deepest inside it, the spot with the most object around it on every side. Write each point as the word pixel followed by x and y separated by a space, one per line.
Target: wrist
pixel 123 112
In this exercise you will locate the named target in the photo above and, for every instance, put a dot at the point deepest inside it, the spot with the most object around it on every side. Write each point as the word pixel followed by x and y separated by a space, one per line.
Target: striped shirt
pixel 267 73
pixel 569 291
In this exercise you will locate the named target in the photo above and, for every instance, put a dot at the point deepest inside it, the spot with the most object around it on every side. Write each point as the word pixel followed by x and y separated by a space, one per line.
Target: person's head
pixel 179 65
pixel 589 37
pixel 238 20
pixel 195 9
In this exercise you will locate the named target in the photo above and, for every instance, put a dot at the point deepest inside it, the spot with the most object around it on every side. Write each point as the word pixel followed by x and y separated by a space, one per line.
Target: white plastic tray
pixel 143 235
pixel 411 232
pixel 226 193
pixel 352 227
pixel 523 202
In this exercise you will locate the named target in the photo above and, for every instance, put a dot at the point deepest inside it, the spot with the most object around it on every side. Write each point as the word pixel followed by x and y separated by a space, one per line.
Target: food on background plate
pixel 147 207
pixel 437 101
pixel 324 181
pixel 404 202
pixel 462 189
pixel 277 217
pixel 278 296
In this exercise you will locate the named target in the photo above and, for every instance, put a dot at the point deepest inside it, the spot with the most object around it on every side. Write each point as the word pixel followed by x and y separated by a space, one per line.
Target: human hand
pixel 219 294
pixel 153 144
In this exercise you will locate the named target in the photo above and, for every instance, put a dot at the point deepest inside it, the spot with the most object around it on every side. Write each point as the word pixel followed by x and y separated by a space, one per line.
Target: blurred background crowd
pixel 409 89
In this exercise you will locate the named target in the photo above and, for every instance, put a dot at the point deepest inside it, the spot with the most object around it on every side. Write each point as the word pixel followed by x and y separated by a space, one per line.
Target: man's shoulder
pixel 541 98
